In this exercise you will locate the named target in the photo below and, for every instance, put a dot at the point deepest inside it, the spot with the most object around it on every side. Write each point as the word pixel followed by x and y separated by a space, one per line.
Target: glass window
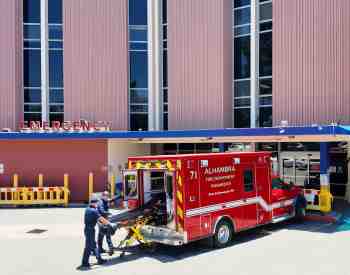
pixel 266 26
pixel 31 68
pixel 55 68
pixel 266 11
pixel 242 57
pixel 242 88
pixel 165 10
pixel 165 96
pixel 55 44
pixel 265 86
pixel 248 180
pixel 32 116
pixel 55 32
pixel 242 16
pixel 265 116
pixel 56 108
pixel 138 108
pixel 138 46
pixel 165 121
pixel 138 70
pixel 138 96
pixel 165 32
pixel 137 12
pixel 32 44
pixel 242 30
pixel 56 95
pixel 32 108
pixel 138 35
pixel 31 11
pixel 32 95
pixel 56 117
pixel 170 148
pixel 242 102
pixel 240 3
pixel 242 118
pixel 165 69
pixel 138 122
pixel 31 31
pixel 186 148
pixel 265 100
pixel 265 54
pixel 55 11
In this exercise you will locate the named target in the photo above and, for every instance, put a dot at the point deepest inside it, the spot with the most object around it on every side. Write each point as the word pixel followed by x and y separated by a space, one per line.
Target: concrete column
pixel 324 164
pixel 44 60
pixel 155 61
pixel 254 64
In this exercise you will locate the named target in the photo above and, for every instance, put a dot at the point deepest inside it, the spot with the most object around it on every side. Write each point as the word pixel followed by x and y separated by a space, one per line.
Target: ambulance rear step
pixel 162 235
pixel 282 218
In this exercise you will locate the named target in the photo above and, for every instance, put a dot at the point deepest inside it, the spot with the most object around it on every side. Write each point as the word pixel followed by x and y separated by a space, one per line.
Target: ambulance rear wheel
pixel 223 234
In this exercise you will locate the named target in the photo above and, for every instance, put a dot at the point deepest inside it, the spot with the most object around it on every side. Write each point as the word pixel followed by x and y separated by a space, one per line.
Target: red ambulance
pixel 208 195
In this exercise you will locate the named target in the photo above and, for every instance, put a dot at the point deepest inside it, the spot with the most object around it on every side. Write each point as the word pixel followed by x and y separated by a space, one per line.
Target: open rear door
pixel 169 179
pixel 131 189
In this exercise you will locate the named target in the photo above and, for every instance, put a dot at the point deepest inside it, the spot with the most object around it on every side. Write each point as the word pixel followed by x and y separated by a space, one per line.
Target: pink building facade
pixel 200 43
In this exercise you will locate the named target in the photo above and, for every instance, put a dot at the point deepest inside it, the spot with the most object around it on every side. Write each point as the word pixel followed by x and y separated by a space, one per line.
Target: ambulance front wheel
pixel 223 234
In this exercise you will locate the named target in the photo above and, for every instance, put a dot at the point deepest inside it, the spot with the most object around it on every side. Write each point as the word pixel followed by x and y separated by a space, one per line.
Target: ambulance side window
pixel 248 180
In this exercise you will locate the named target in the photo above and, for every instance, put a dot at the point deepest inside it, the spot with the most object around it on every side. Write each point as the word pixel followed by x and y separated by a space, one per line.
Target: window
pixel 130 186
pixel 55 68
pixel 137 12
pixel 32 58
pixel 31 11
pixel 138 122
pixel 32 68
pixel 242 117
pixel 265 116
pixel 265 54
pixel 242 57
pixel 242 16
pixel 241 3
pixel 248 180
pixel 55 11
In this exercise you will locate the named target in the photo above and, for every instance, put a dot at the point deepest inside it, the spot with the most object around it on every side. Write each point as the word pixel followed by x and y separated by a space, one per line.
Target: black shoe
pixel 111 252
pixel 101 250
pixel 101 261
pixel 84 267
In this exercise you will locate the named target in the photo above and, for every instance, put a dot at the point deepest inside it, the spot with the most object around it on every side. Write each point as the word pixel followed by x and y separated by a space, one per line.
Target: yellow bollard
pixel 91 185
pixel 15 185
pixel 112 185
pixel 66 189
pixel 41 180
pixel 41 185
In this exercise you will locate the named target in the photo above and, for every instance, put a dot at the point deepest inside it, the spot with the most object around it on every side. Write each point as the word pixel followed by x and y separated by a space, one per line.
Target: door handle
pixel 192 198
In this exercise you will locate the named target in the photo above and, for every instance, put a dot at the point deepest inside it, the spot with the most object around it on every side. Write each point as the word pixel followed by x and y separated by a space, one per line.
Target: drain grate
pixel 36 231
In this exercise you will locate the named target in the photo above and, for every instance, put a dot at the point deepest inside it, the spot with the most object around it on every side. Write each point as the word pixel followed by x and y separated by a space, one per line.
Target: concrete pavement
pixel 288 249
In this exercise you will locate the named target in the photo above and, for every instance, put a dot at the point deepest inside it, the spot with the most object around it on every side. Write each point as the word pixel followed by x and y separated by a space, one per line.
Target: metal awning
pixel 274 134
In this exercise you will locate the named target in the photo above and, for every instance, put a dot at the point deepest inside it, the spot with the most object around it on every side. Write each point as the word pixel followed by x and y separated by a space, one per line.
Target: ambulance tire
pixel 223 234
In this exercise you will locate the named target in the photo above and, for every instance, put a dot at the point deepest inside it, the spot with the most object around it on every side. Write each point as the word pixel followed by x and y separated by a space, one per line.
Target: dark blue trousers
pixel 90 245
pixel 100 237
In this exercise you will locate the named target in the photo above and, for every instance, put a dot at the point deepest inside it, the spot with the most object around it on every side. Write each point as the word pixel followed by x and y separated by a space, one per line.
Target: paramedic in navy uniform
pixel 92 216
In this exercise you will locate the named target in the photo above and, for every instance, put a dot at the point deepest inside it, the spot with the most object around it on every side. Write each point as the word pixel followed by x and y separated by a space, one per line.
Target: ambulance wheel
pixel 223 234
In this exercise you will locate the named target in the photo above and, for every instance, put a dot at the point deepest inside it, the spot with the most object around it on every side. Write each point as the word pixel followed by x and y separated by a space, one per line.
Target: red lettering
pixel 23 125
pixel 67 125
pixel 76 125
pixel 85 126
pixel 92 125
pixel 56 125
pixel 34 125
pixel 45 125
